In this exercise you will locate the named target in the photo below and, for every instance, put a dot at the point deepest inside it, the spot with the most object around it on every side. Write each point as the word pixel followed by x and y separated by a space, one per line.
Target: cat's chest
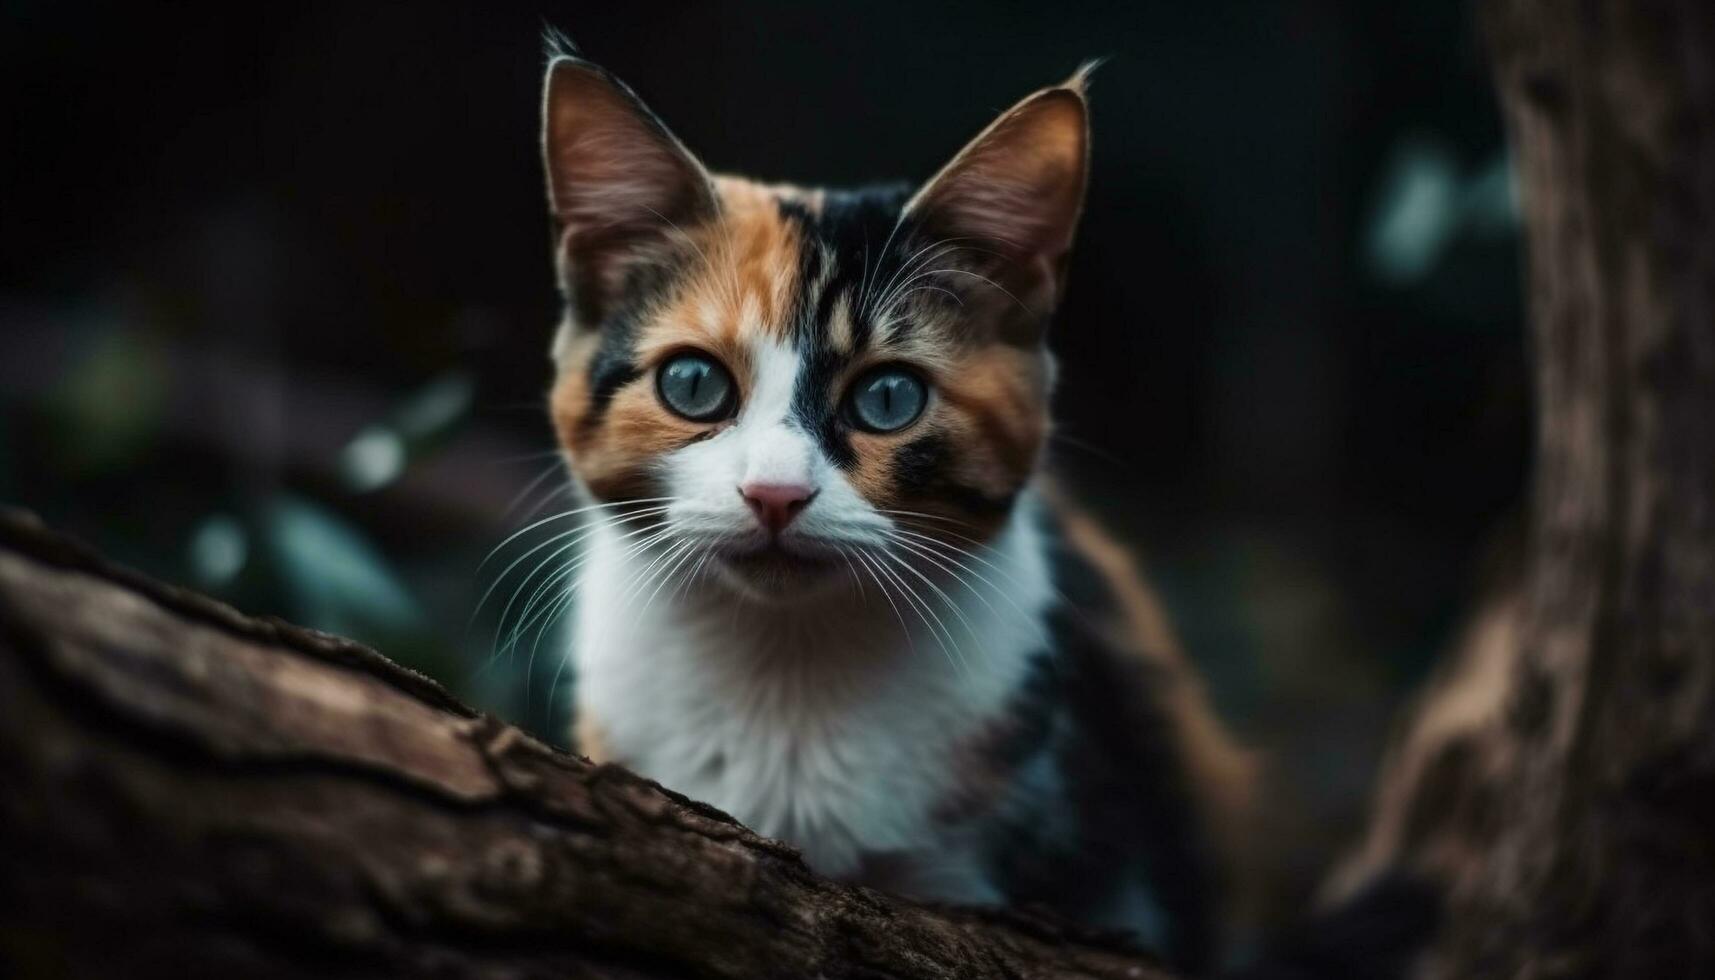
pixel 842 763
pixel 844 730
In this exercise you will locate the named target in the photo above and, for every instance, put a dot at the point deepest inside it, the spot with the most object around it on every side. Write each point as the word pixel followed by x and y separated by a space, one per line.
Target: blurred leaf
pixel 373 459
pixel 219 549
pixel 435 408
pixel 379 454
pixel 1424 205
pixel 1415 214
pixel 111 401
pixel 338 581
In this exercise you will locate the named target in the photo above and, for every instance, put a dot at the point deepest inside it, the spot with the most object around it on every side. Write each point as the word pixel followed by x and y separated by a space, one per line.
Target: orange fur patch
pixel 1003 392
pixel 736 294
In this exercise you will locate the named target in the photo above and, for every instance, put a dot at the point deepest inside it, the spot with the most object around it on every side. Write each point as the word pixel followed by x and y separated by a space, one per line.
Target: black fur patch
pixel 817 407
pixel 614 363
pixel 861 229
pixel 920 470
pixel 1123 809
pixel 847 242
pixel 611 369
pixel 1031 716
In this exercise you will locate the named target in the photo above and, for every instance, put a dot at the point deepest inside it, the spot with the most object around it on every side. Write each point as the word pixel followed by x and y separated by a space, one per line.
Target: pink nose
pixel 776 504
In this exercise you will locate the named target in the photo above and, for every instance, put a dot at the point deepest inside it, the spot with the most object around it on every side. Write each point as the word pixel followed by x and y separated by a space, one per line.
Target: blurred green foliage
pixel 107 407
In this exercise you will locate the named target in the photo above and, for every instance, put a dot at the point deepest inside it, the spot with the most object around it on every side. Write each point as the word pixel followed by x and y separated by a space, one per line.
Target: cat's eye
pixel 695 386
pixel 887 400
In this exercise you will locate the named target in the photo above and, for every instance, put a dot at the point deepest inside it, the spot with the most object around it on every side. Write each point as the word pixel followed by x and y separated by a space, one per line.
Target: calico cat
pixel 827 588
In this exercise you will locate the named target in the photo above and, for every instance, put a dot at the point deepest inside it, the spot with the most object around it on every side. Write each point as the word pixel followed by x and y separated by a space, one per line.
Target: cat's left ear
pixel 622 189
pixel 1007 206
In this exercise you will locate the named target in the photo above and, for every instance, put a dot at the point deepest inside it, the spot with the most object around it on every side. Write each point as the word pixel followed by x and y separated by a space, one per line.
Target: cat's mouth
pixel 776 569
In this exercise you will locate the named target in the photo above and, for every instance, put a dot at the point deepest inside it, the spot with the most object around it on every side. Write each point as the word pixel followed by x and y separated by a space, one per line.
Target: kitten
pixel 827 590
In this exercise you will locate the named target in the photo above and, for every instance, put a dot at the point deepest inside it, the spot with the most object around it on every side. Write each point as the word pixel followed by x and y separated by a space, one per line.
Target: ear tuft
pixel 1080 80
pixel 557 44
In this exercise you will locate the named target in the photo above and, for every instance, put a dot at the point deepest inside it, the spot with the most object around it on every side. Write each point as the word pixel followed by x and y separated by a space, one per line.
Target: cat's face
pixel 792 376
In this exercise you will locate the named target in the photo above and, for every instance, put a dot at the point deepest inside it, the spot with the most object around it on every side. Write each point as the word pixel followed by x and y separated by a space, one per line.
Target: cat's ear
pixel 1007 206
pixel 622 189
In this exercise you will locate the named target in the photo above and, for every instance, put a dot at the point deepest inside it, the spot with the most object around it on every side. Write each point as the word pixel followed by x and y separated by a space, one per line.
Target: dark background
pixel 275 297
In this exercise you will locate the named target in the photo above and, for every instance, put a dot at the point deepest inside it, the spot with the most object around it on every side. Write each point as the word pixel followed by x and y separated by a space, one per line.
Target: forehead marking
pixel 840 335
pixel 759 254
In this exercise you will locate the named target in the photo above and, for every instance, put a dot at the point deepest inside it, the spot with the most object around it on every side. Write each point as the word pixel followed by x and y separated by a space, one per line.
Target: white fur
pixel 831 718
pixel 765 446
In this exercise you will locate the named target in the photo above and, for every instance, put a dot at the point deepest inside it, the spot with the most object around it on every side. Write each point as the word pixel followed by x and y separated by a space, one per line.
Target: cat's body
pixel 1068 760
pixel 825 588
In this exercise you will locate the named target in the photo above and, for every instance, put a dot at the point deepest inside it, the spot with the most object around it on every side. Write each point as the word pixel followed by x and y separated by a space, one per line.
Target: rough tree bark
pixel 190 792
pixel 1559 779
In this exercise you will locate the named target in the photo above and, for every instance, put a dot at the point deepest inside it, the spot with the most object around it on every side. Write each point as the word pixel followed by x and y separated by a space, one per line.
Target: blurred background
pixel 275 299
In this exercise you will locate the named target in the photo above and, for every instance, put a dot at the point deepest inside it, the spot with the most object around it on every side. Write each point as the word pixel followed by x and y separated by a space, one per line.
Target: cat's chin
pixel 774 574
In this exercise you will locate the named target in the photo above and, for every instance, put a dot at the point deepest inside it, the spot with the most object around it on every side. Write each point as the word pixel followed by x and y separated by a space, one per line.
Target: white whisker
pixel 904 627
pixel 562 516
pixel 921 257
pixel 563 573
pixel 945 598
pixel 928 548
pixel 530 488
pixel 921 608
pixel 975 275
pixel 577 534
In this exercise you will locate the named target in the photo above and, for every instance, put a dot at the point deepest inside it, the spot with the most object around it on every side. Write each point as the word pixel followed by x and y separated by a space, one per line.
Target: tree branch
pixel 188 790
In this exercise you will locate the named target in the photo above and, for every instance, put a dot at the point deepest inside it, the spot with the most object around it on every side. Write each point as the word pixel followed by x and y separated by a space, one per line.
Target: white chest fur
pixel 836 728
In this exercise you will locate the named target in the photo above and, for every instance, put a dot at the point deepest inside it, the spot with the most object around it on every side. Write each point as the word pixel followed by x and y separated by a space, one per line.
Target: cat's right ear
pixel 622 189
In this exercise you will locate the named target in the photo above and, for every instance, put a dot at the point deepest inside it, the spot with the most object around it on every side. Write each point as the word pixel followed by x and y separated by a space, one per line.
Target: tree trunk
pixel 1560 778
pixel 188 792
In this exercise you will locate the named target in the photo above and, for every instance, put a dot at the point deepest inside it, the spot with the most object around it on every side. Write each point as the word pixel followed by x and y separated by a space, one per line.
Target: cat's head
pixel 799 374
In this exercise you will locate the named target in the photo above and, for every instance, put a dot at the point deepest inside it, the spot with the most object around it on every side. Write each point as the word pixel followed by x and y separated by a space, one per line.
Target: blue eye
pixel 887 400
pixel 695 386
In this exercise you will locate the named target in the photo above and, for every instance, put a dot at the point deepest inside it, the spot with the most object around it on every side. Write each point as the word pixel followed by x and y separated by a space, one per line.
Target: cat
pixel 825 586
